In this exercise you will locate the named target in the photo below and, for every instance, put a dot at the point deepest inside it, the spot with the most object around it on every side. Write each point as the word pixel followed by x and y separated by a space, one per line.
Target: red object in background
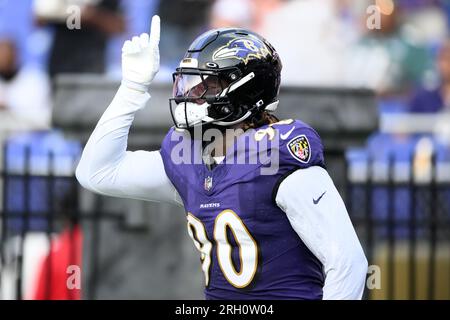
pixel 65 266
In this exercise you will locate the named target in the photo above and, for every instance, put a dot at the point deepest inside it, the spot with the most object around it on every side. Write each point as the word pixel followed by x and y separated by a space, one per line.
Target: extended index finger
pixel 155 31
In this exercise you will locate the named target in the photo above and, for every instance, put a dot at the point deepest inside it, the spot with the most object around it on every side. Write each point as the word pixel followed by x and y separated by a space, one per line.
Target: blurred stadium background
pixel 373 77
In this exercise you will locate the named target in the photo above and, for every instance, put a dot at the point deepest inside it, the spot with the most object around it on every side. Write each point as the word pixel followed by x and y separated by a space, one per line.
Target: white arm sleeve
pixel 324 226
pixel 107 168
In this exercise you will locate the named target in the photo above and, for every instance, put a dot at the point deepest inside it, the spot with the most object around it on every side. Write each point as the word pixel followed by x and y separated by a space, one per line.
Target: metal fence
pixel 403 221
pixel 46 203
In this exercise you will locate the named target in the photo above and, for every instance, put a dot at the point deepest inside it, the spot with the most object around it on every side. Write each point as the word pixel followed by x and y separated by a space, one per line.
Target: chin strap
pixel 271 107
pixel 205 119
pixel 225 123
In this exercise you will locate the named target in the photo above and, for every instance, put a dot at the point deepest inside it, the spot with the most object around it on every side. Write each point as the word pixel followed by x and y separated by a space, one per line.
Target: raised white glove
pixel 140 58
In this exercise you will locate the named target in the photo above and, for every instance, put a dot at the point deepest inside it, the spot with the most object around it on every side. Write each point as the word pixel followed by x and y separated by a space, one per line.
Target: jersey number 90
pixel 248 249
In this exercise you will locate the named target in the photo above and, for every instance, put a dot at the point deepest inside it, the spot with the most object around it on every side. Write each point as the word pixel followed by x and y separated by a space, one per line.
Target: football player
pixel 281 234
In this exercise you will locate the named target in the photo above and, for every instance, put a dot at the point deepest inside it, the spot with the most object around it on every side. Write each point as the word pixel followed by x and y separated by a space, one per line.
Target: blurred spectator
pixel 424 20
pixel 390 59
pixel 437 98
pixel 15 23
pixel 24 93
pixel 304 32
pixel 63 258
pixel 312 38
pixel 446 6
pixel 224 14
pixel 249 14
pixel 328 42
pixel 32 42
pixel 137 15
pixel 182 22
pixel 83 49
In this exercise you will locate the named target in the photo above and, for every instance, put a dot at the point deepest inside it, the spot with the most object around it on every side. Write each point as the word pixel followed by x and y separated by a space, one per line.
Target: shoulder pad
pixel 299 144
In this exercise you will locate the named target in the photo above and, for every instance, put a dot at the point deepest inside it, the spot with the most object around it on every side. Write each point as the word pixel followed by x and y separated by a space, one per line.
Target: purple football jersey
pixel 248 248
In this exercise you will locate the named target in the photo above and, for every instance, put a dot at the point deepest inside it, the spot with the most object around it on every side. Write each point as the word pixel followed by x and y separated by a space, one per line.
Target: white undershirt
pixel 325 228
pixel 27 98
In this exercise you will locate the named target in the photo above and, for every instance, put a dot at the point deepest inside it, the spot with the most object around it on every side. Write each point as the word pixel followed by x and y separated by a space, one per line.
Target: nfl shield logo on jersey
pixel 208 183
pixel 300 149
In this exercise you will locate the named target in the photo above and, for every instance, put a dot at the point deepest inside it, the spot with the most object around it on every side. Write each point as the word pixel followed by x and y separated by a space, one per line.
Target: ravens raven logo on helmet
pixel 243 49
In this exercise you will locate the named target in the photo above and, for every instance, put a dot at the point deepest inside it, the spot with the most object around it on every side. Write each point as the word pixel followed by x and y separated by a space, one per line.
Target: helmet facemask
pixel 202 97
